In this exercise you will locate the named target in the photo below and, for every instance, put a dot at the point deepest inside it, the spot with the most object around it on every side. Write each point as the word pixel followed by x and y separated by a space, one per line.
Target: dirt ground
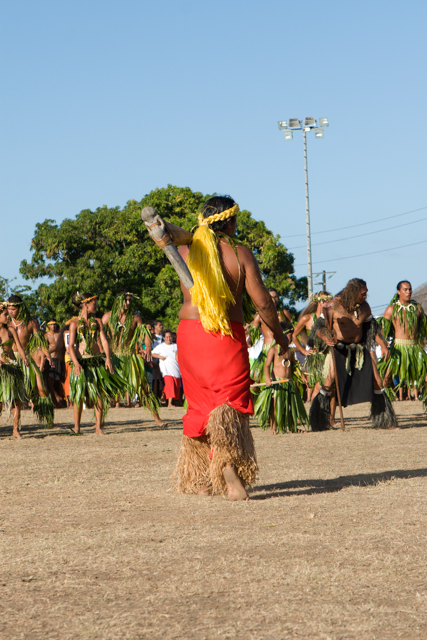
pixel 332 544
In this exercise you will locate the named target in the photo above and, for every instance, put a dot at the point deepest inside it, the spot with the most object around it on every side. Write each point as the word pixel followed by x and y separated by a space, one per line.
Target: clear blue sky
pixel 104 101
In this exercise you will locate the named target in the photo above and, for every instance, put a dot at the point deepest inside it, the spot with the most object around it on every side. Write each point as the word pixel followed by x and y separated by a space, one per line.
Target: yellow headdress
pixel 88 299
pixel 210 292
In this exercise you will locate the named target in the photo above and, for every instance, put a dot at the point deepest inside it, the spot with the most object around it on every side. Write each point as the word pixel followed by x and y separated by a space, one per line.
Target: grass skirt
pixel 131 368
pixel 43 407
pixel 285 401
pixel 408 362
pixel 314 367
pixel 12 386
pixel 228 441
pixel 95 385
pixel 257 366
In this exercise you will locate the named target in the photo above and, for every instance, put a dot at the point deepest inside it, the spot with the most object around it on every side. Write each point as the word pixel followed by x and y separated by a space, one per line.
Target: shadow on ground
pixel 311 487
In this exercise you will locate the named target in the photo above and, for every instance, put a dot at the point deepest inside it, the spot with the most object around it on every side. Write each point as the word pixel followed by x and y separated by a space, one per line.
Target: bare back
pixel 235 277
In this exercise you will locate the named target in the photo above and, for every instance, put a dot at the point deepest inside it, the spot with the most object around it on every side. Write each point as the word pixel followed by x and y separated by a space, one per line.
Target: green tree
pixel 109 249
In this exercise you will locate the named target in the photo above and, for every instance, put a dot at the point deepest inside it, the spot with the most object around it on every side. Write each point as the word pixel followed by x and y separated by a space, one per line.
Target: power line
pixel 361 224
pixel 405 224
pixel 360 255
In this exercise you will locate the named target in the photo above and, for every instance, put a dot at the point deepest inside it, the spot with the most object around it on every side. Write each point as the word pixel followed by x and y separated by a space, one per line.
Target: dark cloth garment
pixel 359 386
pixel 56 370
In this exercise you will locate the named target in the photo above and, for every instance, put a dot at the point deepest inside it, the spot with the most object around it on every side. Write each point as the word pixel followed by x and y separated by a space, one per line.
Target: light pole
pixel 296 125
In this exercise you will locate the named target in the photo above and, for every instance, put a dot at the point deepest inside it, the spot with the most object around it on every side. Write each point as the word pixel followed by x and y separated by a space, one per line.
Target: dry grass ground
pixel 332 544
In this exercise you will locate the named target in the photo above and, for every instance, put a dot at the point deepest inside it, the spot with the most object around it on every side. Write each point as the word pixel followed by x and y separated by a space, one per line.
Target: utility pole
pixel 324 274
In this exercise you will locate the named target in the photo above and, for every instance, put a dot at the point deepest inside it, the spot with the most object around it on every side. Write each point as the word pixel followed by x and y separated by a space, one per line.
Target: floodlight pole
pixel 307 219
pixel 296 125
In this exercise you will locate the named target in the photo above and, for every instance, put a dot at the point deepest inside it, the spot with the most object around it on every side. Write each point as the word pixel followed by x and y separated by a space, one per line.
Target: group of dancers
pixel 336 335
pixel 338 342
pixel 105 359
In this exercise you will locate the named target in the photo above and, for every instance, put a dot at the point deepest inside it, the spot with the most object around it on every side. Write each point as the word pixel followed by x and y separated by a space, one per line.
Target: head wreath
pixel 321 297
pixel 88 299
pixel 219 217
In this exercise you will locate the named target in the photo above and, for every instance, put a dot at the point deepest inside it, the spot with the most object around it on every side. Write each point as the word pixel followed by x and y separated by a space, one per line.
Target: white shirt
pixel 158 339
pixel 256 349
pixel 168 367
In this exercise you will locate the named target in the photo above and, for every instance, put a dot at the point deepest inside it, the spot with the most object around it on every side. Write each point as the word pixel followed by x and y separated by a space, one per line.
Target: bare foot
pixel 204 491
pixel 76 429
pixel 235 488
pixel 99 431
pixel 16 434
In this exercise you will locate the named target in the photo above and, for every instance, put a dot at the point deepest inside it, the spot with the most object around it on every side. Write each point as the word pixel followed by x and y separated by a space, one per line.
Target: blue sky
pixel 105 101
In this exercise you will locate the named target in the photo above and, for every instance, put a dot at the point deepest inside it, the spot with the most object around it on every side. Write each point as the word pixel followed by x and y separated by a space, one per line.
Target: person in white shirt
pixel 167 354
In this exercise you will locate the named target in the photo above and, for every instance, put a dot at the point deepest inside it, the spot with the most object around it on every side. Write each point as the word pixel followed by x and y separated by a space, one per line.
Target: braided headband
pixel 88 299
pixel 218 217
pixel 51 322
pixel 321 298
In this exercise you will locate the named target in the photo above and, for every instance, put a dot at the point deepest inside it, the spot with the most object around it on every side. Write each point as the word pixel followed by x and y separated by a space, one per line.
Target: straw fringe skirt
pixel 228 441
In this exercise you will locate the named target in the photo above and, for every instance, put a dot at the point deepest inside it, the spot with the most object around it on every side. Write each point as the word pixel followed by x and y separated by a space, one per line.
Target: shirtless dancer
pixel 217 453
pixel 35 346
pixel 127 333
pixel 12 390
pixel 56 372
pixel 405 321
pixel 285 412
pixel 353 334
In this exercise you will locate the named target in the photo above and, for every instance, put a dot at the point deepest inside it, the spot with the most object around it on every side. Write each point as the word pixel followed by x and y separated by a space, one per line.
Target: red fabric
pixel 215 371
pixel 67 379
pixel 172 387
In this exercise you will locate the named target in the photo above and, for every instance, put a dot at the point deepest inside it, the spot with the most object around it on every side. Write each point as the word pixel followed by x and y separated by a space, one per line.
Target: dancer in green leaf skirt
pixel 36 348
pixel 279 404
pixel 12 382
pixel 130 341
pixel 92 379
pixel 404 321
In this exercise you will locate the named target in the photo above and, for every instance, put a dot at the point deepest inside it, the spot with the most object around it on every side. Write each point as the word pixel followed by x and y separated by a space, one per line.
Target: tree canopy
pixel 106 250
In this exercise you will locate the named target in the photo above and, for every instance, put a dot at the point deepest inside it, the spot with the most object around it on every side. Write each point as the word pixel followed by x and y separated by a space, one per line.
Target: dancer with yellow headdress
pixel 92 378
pixel 217 454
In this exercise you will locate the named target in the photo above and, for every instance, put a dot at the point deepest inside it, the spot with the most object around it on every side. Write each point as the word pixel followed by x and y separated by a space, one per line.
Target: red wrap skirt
pixel 172 387
pixel 215 371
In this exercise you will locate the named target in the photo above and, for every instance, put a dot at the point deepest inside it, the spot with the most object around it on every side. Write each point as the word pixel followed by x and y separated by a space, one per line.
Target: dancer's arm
pixel 106 347
pixel 261 298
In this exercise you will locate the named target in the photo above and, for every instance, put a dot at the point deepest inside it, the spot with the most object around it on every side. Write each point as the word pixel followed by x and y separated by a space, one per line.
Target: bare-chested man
pixel 282 404
pixel 217 453
pixel 131 343
pixel 90 353
pixel 36 348
pixel 12 383
pixel 55 373
pixel 353 336
pixel 405 322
